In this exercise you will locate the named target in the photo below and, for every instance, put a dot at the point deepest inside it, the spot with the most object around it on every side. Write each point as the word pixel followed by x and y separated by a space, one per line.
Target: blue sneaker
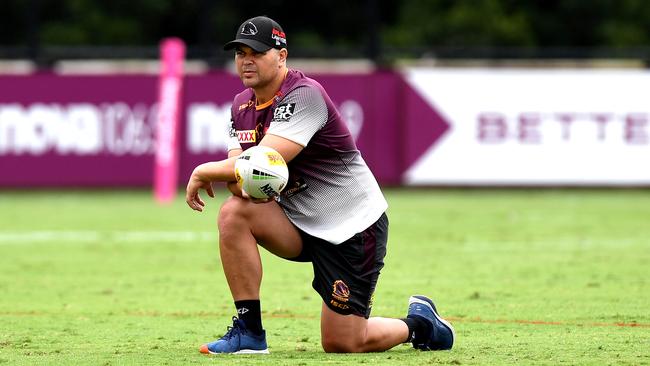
pixel 441 334
pixel 237 340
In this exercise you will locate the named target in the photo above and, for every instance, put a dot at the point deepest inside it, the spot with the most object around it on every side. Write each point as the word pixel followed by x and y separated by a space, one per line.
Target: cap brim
pixel 256 45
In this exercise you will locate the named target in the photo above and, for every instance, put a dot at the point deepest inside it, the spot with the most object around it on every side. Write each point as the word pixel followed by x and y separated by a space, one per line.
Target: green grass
pixel 527 277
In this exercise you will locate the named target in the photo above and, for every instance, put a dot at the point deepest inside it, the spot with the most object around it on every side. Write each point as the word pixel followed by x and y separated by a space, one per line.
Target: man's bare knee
pixel 230 212
pixel 231 221
pixel 340 345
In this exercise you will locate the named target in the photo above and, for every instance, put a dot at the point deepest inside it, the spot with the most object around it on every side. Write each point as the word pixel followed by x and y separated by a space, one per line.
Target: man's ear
pixel 283 55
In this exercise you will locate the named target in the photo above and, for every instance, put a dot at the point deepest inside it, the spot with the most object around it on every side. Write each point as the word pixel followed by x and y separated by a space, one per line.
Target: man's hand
pixel 255 200
pixel 195 184
pixel 202 178
pixel 236 190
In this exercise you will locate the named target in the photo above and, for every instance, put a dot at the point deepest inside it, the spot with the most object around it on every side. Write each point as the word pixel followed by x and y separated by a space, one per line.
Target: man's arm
pixel 202 178
pixel 224 171
pixel 287 148
pixel 232 186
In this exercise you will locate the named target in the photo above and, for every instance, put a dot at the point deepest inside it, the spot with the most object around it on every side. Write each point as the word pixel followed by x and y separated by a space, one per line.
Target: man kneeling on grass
pixel 331 214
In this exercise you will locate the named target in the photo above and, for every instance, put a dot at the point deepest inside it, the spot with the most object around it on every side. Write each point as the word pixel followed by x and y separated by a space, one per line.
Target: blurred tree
pixel 460 23
pixel 562 23
pixel 323 27
pixel 13 18
pixel 628 26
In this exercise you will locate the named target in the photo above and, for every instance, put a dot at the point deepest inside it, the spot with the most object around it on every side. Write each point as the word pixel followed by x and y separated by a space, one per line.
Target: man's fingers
pixel 192 197
pixel 210 190
pixel 194 201
pixel 194 205
pixel 189 199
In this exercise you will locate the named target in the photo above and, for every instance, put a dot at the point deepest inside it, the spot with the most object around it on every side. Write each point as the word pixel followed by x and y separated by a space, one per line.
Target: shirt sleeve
pixel 299 115
pixel 233 142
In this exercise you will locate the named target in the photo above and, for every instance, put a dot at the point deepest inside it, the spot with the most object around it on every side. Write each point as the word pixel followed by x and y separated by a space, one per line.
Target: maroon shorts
pixel 345 275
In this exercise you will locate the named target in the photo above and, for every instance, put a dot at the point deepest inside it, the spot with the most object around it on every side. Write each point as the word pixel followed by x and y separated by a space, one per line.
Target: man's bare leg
pixel 351 333
pixel 242 224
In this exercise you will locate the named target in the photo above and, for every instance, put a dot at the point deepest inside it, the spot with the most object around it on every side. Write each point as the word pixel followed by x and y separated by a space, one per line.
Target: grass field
pixel 526 277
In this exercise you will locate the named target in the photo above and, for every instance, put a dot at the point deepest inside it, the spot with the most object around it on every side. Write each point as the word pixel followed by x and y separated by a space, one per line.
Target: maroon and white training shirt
pixel 331 194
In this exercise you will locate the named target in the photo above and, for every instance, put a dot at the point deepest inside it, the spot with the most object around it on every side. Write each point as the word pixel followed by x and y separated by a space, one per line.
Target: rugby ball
pixel 261 172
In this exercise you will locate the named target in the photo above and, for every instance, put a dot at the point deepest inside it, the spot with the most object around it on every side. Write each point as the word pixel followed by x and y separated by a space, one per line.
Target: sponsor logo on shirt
pixel 283 112
pixel 246 136
pixel 296 186
pixel 231 129
pixel 245 105
pixel 260 131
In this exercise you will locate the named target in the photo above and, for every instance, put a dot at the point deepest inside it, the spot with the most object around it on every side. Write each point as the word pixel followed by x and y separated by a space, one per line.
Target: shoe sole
pixel 252 351
pixel 205 350
pixel 428 303
pixel 242 352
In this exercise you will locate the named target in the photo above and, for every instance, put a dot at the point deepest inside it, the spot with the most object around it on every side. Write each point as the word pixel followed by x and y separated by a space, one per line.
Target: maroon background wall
pixel 116 147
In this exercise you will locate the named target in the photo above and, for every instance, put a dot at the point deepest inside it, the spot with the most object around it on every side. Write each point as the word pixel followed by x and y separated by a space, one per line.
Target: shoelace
pixel 235 329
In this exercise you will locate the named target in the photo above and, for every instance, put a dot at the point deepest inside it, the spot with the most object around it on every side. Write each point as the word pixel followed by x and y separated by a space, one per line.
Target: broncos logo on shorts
pixel 340 291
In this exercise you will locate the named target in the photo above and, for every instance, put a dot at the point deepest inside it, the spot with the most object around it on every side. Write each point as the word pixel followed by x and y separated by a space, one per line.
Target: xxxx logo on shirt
pixel 246 136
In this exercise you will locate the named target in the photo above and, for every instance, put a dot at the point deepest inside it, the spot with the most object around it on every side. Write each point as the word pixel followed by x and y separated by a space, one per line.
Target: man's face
pixel 257 69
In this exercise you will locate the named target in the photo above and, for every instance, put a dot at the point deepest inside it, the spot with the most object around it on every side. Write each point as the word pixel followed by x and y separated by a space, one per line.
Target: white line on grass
pixel 88 236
